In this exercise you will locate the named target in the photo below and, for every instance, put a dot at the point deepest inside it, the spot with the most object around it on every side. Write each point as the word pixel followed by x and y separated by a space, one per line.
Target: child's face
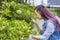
pixel 38 15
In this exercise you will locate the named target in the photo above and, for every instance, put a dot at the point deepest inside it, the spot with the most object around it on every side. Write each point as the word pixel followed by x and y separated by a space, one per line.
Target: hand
pixel 33 21
pixel 31 36
pixel 34 37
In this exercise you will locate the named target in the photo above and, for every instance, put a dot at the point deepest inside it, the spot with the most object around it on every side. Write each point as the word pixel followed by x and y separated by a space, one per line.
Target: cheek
pixel 39 16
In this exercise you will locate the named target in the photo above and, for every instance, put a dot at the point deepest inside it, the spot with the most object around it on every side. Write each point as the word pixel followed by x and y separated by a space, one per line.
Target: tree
pixel 8 0
pixel 0 4
pixel 26 1
pixel 21 1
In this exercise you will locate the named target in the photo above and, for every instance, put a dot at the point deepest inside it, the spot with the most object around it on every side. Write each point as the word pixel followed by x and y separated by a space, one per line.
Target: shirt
pixel 49 31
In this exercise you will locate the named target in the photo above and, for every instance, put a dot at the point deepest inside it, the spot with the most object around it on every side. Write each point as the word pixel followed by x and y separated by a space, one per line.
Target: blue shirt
pixel 49 31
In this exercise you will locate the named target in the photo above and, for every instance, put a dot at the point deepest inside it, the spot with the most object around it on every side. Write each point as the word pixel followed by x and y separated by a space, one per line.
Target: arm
pixel 48 32
pixel 37 26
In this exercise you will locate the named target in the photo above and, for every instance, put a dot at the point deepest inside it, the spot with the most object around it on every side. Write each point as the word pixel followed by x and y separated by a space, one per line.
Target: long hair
pixel 46 14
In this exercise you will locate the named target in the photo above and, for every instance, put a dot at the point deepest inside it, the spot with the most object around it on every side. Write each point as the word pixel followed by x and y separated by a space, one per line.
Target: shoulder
pixel 50 24
pixel 49 21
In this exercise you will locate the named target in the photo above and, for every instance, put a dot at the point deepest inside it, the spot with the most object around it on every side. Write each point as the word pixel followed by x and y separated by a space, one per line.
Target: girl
pixel 51 26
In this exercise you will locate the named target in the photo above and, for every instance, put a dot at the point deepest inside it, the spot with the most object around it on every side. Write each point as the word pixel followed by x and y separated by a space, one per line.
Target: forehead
pixel 37 11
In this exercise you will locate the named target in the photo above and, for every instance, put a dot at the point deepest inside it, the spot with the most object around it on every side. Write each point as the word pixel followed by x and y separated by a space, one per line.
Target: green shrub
pixel 15 21
pixel 18 11
pixel 14 29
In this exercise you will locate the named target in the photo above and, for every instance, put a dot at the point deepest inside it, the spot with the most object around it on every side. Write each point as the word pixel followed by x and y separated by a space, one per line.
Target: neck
pixel 45 19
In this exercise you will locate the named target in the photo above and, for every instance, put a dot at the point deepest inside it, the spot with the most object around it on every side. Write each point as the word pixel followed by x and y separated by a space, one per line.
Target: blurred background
pixel 15 17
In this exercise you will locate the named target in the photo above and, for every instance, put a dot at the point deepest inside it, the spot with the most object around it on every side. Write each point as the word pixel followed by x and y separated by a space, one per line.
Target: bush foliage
pixel 15 21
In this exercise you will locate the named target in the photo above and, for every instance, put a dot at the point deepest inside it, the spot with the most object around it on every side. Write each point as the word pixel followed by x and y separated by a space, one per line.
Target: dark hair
pixel 46 14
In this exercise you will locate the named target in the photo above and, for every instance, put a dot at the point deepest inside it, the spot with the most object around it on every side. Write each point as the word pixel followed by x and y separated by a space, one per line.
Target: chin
pixel 39 18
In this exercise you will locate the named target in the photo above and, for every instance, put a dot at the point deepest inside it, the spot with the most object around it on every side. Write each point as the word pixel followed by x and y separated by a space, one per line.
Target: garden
pixel 15 21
